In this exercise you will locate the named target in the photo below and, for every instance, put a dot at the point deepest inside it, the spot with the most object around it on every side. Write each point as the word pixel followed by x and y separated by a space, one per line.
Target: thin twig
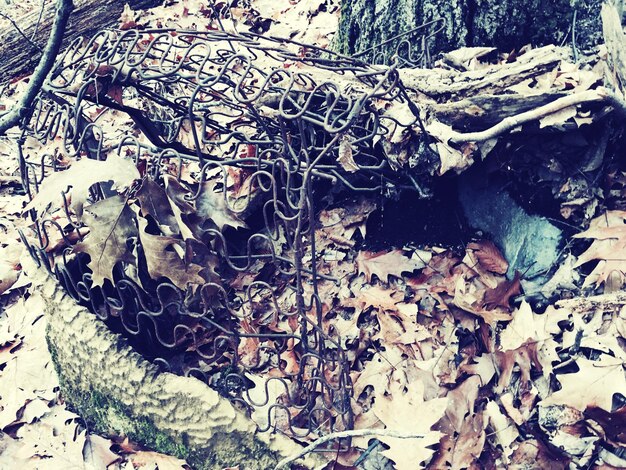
pixel 343 434
pixel 19 30
pixel 63 10
pixel 43 6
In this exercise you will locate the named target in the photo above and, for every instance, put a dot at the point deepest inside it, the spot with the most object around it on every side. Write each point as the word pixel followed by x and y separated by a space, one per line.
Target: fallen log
pixel 18 57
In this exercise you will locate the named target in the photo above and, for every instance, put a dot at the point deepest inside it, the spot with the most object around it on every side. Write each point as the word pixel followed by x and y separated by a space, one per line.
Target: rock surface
pixel 117 391
pixel 529 242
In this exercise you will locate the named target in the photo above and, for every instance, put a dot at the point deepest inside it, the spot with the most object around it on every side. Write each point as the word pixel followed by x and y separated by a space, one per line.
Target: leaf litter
pixel 438 342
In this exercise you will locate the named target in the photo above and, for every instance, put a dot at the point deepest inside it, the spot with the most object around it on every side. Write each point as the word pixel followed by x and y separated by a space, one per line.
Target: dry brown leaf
pixel 386 263
pixel 593 385
pixel 111 224
pixel 613 424
pixel 211 204
pixel 609 246
pixel 501 295
pixel 409 413
pixel 463 428
pixel 489 256
pixel 164 261
pixel 345 158
pixel 97 452
pixel 154 202
pixel 81 176
pixel 374 296
pixel 535 455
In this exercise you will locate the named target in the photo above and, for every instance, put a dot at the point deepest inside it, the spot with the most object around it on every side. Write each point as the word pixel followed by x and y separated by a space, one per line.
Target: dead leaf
pixel 489 256
pixel 81 176
pixel 345 158
pixel 154 202
pixel 97 452
pixel 164 261
pixel 501 295
pixel 387 263
pixel 593 385
pixel 407 412
pixel 463 428
pixel 127 18
pixel 111 225
pixel 609 246
pixel 211 204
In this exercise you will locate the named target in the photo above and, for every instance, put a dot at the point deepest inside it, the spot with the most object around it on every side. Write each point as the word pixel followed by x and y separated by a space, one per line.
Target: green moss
pixel 109 416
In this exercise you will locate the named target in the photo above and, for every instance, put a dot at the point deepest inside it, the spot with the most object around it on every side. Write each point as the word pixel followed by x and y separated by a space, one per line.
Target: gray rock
pixel 530 243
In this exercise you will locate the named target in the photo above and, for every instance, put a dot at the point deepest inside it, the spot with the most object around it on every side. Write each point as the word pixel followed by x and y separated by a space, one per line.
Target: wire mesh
pixel 271 127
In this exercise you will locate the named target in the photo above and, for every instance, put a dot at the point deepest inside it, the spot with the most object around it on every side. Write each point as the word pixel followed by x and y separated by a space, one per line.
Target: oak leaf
pixel 409 413
pixel 463 428
pixel 593 385
pixel 182 208
pixel 609 247
pixel 163 260
pixel 539 329
pixel 389 263
pixel 154 202
pixel 111 224
pixel 81 176
pixel 212 204
pixel 501 295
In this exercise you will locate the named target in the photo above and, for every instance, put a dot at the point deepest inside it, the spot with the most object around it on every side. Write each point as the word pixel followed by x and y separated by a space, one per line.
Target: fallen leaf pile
pixel 37 431
pixel 440 343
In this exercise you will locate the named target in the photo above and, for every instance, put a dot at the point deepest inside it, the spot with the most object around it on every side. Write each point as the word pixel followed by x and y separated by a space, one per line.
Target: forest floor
pixel 441 319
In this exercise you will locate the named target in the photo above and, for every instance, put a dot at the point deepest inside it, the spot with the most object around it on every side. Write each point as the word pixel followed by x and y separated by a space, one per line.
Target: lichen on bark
pixel 506 24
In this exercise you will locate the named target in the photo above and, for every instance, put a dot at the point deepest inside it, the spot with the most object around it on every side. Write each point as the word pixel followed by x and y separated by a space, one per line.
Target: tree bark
pixel 18 57
pixel 506 24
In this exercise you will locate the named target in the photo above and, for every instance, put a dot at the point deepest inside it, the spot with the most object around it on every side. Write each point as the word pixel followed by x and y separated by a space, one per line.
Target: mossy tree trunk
pixel 506 24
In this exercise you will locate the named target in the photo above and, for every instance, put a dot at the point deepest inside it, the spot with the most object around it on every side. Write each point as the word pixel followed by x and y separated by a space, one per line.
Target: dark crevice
pixel 469 22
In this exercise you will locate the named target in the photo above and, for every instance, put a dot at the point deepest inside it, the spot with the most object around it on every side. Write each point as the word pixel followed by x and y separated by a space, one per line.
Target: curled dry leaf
pixel 81 176
pixel 163 259
pixel 345 158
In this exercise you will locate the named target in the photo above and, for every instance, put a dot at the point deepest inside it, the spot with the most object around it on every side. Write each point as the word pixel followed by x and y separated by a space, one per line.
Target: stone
pixel 530 243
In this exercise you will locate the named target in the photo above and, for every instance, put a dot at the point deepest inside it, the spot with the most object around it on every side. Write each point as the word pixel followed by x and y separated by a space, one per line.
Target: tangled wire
pixel 238 137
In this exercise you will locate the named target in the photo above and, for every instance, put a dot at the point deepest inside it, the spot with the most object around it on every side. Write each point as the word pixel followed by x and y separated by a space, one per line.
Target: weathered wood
pixel 18 57
pixel 615 41
pixel 442 85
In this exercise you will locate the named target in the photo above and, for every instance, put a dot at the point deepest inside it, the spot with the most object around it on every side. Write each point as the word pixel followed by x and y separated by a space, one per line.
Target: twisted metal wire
pixel 278 112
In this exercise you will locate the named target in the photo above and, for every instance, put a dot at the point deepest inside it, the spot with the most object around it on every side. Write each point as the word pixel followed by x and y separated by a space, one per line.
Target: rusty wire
pixel 279 110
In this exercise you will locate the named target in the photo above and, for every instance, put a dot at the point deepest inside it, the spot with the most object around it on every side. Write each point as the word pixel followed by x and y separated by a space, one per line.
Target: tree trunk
pixel 18 57
pixel 506 24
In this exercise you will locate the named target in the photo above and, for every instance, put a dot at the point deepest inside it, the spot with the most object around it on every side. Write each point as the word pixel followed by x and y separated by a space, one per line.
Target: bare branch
pixel 590 96
pixel 63 10
pixel 41 10
pixel 343 434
